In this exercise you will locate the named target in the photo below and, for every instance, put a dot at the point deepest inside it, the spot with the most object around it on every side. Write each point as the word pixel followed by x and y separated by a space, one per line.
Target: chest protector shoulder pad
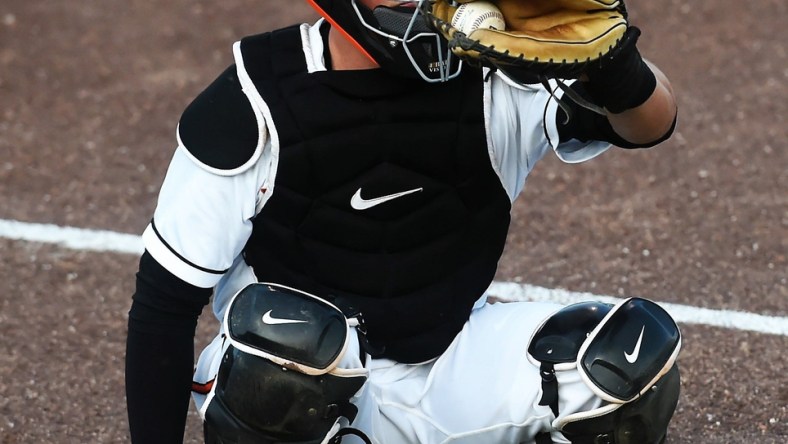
pixel 219 129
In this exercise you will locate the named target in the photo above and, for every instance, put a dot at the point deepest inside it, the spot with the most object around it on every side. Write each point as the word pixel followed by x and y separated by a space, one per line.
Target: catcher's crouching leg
pixel 279 380
pixel 626 354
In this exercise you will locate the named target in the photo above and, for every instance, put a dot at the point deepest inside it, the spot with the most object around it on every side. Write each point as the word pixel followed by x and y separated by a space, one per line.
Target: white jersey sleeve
pixel 203 220
pixel 522 128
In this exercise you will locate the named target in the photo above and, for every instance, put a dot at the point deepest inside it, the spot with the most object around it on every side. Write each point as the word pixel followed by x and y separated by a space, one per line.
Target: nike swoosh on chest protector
pixel 359 203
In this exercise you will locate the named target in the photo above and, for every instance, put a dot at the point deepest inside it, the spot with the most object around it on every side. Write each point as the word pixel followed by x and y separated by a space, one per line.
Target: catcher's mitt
pixel 542 39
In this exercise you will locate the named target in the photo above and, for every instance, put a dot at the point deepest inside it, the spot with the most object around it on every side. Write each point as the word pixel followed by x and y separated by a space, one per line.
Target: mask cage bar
pixel 444 61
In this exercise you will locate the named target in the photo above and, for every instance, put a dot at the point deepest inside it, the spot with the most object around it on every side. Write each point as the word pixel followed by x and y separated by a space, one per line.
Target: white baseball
pixel 480 14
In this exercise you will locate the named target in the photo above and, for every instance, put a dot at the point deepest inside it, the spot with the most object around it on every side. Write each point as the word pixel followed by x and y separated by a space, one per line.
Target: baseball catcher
pixel 342 195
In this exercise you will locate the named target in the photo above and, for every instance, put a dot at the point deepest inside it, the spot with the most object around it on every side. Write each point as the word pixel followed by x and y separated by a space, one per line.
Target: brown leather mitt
pixel 542 38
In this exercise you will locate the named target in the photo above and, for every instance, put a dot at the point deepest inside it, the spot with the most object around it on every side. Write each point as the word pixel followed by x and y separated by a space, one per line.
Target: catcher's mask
pixel 396 36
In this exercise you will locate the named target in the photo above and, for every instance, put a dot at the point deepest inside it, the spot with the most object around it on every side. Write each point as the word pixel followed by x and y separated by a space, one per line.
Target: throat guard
pixel 397 38
pixel 626 354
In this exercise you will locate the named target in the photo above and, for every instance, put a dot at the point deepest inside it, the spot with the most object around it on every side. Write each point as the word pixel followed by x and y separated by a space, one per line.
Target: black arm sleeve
pixel 160 353
pixel 586 125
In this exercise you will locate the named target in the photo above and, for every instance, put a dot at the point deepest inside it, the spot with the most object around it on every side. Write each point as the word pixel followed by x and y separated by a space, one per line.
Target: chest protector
pixel 385 201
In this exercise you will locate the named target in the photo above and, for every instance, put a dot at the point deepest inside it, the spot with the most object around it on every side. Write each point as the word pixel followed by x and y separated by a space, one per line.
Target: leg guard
pixel 626 354
pixel 279 380
pixel 642 421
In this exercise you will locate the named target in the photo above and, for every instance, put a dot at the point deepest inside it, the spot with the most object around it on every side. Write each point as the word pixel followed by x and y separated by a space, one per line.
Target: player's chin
pixel 406 4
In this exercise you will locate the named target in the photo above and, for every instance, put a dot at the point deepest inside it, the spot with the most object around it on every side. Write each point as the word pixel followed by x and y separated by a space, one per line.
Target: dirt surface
pixel 90 93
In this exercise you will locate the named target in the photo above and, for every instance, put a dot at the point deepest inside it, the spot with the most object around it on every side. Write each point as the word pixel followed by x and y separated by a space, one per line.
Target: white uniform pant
pixel 482 390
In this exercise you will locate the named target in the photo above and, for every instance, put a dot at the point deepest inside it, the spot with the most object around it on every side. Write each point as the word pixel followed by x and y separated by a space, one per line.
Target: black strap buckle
pixel 337 439
pixel 549 387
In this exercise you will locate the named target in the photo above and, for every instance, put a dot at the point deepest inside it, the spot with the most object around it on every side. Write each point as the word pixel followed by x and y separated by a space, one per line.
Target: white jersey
pixel 204 218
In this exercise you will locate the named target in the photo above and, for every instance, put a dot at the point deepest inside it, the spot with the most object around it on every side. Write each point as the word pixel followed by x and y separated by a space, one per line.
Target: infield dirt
pixel 91 91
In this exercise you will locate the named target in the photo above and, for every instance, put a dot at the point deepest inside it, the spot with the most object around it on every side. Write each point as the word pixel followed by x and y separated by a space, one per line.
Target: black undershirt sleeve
pixel 160 353
pixel 586 125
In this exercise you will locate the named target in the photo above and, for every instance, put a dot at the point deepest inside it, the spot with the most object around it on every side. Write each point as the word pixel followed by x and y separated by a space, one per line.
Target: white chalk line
pixel 113 242
pixel 686 314
pixel 72 238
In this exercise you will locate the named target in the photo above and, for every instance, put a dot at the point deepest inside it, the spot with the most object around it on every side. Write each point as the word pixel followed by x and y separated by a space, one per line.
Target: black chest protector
pixel 385 201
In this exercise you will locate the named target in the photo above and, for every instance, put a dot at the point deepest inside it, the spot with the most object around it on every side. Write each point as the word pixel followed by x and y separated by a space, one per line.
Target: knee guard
pixel 278 380
pixel 626 354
